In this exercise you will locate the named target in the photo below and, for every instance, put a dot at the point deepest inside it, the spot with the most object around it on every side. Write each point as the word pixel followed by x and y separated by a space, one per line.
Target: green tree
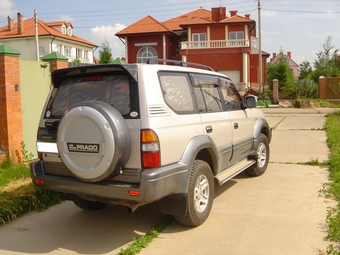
pixel 305 70
pixel 105 54
pixel 327 62
pixel 282 72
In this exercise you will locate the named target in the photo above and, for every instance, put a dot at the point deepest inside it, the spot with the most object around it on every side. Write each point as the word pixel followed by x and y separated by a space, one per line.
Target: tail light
pixel 151 156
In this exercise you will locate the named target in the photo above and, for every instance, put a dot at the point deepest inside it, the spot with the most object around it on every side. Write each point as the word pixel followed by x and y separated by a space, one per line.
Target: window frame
pixel 200 92
pixel 190 89
pixel 236 35
pixel 199 43
pixel 150 53
pixel 234 96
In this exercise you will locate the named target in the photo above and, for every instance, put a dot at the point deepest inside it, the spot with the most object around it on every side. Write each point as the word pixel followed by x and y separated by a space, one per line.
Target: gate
pixel 35 84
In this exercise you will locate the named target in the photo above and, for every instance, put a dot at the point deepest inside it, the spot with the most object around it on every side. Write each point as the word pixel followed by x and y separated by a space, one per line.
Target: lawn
pixel 18 195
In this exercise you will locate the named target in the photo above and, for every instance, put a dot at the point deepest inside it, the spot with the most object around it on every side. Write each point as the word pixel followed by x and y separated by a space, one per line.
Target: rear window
pixel 114 90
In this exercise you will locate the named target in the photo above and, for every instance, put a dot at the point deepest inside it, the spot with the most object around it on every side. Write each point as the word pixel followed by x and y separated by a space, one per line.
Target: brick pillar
pixel 10 104
pixel 56 60
pixel 275 91
pixel 322 87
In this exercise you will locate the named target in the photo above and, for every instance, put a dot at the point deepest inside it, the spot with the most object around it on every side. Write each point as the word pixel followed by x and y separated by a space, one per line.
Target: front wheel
pixel 262 157
pixel 200 195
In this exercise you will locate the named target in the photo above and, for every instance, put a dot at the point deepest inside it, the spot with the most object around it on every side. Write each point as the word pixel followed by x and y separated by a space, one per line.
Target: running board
pixel 230 172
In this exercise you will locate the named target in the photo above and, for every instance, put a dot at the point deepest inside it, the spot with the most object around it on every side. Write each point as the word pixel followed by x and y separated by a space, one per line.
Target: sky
pixel 297 26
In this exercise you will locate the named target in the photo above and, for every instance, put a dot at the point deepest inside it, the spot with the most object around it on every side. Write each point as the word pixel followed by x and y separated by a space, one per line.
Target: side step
pixel 230 172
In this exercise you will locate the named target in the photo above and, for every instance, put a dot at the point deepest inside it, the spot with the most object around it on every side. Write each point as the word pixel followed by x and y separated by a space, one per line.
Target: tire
pixel 200 195
pixel 93 141
pixel 262 157
pixel 88 205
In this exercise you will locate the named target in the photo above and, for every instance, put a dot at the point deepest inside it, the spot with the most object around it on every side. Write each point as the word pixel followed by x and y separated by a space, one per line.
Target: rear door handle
pixel 209 129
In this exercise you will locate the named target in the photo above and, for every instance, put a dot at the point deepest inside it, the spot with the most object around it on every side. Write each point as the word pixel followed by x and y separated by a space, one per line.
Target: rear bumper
pixel 155 184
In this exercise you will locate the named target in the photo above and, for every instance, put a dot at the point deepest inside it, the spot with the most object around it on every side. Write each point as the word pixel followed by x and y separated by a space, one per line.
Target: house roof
pixel 145 25
pixel 174 23
pixel 196 21
pixel 44 29
pixel 196 17
pixel 291 62
pixel 236 19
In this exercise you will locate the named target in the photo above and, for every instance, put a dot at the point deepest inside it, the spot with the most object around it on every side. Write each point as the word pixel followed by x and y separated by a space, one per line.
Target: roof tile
pixel 43 29
pixel 145 25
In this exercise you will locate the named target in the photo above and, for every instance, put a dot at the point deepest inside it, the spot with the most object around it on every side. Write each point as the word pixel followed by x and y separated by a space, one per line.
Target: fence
pixel 24 86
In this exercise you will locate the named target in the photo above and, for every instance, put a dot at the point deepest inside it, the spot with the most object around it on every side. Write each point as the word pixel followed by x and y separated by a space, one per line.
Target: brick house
pixel 226 43
pixel 288 59
pixel 52 37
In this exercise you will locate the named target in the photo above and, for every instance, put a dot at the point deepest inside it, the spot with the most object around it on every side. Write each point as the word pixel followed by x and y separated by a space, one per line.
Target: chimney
pixel 247 16
pixel 289 54
pixel 10 23
pixel 274 55
pixel 20 23
pixel 233 13
pixel 218 14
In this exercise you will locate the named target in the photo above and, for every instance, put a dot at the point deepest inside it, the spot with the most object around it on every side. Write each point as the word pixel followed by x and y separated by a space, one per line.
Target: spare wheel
pixel 93 141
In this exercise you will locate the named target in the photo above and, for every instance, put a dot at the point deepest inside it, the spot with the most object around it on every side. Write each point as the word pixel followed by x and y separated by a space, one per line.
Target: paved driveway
pixel 280 212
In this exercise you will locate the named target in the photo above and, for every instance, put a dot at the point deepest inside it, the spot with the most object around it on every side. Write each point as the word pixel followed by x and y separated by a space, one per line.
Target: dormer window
pixel 69 31
pixel 63 29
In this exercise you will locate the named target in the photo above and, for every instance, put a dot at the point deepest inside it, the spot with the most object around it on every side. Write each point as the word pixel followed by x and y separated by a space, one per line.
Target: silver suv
pixel 132 134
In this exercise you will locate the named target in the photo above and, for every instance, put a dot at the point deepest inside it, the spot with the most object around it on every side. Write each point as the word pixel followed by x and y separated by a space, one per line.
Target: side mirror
pixel 251 102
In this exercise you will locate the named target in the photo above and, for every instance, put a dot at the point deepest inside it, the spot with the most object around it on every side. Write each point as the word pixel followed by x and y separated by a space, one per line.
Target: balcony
pixel 216 44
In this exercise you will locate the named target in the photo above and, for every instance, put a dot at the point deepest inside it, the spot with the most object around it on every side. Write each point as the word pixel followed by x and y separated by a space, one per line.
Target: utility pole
pixel 36 34
pixel 260 49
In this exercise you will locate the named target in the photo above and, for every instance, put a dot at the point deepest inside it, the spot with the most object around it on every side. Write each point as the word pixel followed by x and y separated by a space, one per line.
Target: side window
pixel 209 91
pixel 231 96
pixel 176 91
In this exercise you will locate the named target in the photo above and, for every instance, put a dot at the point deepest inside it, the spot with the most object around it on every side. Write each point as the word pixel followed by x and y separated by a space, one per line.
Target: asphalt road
pixel 280 212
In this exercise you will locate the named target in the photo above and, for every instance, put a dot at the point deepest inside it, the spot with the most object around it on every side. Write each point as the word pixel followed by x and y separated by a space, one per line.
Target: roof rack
pixel 181 63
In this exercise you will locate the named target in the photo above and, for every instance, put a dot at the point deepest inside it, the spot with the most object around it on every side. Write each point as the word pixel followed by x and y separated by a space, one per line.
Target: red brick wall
pixel 10 107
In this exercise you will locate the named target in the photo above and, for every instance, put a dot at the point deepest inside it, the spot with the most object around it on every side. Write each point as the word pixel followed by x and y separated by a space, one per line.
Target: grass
pixel 18 195
pixel 145 240
pixel 332 189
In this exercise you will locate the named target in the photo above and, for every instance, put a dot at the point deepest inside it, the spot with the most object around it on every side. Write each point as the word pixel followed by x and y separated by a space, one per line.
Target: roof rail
pixel 181 63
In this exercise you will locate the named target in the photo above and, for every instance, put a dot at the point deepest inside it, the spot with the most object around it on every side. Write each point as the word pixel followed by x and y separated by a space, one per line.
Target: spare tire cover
pixel 93 141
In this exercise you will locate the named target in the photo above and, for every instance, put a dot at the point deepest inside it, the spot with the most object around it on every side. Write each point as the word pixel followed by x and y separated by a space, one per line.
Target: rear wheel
pixel 200 195
pixel 262 157
pixel 88 205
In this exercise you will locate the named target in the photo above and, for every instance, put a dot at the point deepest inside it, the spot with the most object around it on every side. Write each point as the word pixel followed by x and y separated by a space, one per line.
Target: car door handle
pixel 209 129
pixel 235 125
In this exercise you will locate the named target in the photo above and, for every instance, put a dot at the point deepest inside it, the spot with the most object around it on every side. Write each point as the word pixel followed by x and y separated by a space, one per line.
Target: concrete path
pixel 280 212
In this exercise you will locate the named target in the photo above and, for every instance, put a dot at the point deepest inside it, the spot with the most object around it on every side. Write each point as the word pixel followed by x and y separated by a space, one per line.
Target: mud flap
pixel 175 204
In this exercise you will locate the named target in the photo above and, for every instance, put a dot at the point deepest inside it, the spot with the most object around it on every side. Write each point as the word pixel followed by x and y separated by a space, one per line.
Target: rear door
pixel 215 120
pixel 242 123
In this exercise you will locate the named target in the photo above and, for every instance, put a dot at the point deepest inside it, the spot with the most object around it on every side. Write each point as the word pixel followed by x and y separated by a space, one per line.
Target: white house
pixel 53 37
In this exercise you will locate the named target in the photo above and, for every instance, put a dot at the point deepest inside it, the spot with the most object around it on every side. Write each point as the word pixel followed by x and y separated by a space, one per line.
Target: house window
pixel 236 39
pixel 69 31
pixel 68 52
pixel 42 51
pixel 63 29
pixel 199 40
pixel 86 54
pixel 79 53
pixel 146 53
pixel 236 35
pixel 59 47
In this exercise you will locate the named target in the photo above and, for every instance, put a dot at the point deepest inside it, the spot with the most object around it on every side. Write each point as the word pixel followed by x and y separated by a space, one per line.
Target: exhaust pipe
pixel 133 208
